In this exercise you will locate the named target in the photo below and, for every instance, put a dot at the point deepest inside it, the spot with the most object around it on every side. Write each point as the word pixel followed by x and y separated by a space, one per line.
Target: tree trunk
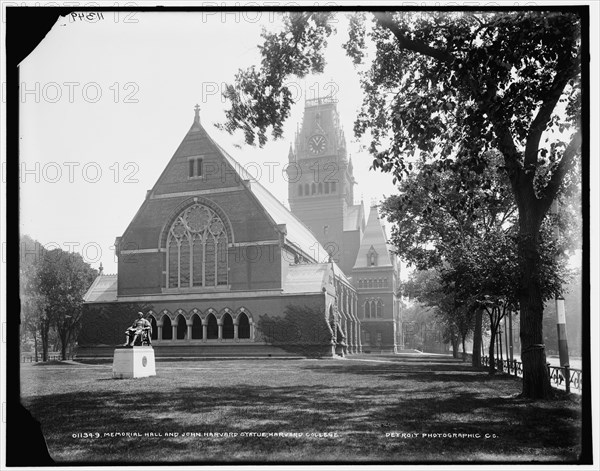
pixel 464 352
pixel 44 334
pixel 491 352
pixel 454 341
pixel 63 347
pixel 35 346
pixel 477 345
pixel 536 379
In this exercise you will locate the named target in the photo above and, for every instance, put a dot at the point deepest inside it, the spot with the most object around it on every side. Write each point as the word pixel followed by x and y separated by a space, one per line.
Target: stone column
pixel 174 330
pixel 189 329
pixel 159 325
pixel 251 330
pixel 204 331
pixel 220 324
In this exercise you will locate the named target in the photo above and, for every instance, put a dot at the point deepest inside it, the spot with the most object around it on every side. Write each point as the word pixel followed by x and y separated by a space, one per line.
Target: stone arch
pixel 196 326
pixel 243 326
pixel 179 312
pixel 206 313
pixel 224 311
pixel 242 310
pixel 167 331
pixel 181 324
pixel 212 327
pixel 228 329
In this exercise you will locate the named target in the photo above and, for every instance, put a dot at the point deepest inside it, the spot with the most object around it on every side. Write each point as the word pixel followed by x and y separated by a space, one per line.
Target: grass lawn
pixel 341 410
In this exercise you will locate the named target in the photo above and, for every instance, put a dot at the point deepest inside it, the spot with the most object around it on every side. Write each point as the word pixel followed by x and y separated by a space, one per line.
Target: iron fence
pixel 51 357
pixel 558 374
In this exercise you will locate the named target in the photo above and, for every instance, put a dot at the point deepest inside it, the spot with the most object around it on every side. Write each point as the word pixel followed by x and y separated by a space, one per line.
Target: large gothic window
pixel 197 249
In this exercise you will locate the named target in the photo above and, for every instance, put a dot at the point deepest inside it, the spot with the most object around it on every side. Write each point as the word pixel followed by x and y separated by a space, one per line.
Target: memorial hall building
pixel 221 267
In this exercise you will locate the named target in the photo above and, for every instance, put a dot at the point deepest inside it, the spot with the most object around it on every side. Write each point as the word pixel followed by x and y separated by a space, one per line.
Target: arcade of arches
pixel 199 326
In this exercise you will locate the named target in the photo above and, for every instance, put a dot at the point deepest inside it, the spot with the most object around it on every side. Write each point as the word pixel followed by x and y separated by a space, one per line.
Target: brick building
pixel 221 267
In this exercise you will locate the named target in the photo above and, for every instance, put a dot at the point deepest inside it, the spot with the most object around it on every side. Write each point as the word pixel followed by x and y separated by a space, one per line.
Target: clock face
pixel 316 144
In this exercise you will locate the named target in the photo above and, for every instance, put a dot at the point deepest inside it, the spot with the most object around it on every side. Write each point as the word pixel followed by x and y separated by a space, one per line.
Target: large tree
pixel 60 279
pixel 448 85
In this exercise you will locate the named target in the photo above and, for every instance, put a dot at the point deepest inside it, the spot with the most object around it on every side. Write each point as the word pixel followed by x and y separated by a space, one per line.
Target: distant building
pixel 216 262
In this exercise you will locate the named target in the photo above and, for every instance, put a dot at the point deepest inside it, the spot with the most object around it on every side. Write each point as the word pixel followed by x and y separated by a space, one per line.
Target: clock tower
pixel 321 182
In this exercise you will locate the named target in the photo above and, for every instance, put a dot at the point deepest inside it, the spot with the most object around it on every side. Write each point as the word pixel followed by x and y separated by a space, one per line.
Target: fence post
pixel 568 378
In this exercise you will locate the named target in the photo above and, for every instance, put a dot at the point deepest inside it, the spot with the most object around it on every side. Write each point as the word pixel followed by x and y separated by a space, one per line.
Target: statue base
pixel 133 362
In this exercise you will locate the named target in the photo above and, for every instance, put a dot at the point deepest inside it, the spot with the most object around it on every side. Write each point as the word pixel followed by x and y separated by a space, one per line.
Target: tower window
pixel 372 257
pixel 195 168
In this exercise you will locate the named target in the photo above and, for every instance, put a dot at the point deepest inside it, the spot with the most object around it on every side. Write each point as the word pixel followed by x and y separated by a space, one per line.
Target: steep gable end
pixel 373 243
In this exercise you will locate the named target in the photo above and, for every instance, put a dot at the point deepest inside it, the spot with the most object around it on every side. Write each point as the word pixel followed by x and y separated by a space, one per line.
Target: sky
pixel 105 103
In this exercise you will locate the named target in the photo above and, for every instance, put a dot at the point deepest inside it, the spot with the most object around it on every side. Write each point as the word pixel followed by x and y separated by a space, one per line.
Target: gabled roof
pixel 374 237
pixel 103 289
pixel 297 233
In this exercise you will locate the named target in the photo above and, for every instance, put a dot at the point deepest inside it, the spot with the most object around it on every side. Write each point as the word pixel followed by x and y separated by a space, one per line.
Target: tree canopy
pixel 449 87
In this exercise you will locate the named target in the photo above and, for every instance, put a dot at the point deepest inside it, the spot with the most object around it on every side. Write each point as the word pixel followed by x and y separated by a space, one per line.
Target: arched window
pixel 181 327
pixel 372 257
pixel 313 189
pixel 197 249
pixel 326 187
pixel 212 329
pixel 306 189
pixel 300 189
pixel 367 309
pixel 243 326
pixel 379 308
pixel 320 190
pixel 333 187
pixel 227 326
pixel 370 282
pixel 385 282
pixel 360 283
pixel 167 331
pixel 154 335
pixel 196 327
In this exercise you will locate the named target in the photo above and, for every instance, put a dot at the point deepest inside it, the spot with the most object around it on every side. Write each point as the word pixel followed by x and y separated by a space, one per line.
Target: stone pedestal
pixel 133 362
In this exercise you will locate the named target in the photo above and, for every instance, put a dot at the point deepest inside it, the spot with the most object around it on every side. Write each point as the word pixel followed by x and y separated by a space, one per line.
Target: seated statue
pixel 141 328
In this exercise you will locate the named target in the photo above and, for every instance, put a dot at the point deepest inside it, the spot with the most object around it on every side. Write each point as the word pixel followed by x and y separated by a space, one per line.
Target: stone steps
pixel 198 350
